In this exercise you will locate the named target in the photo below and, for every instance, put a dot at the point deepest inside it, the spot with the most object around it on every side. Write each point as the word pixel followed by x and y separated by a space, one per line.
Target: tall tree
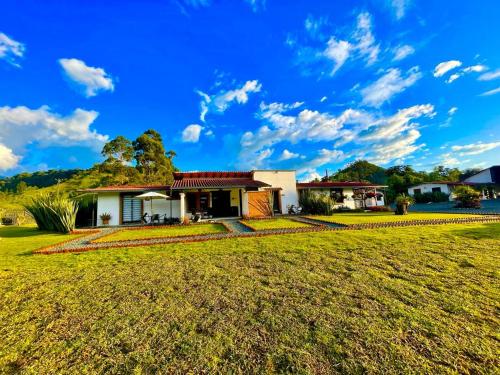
pixel 119 150
pixel 152 161
pixel 359 170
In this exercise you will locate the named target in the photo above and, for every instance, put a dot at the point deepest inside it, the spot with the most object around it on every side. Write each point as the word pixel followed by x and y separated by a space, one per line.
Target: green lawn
pixel 276 223
pixel 384 217
pixel 174 231
pixel 391 300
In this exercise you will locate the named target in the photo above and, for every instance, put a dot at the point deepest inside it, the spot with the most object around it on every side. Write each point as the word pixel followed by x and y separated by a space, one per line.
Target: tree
pixel 118 150
pixel 119 154
pixel 441 173
pixel 469 172
pixel 21 187
pixel 359 170
pixel 151 158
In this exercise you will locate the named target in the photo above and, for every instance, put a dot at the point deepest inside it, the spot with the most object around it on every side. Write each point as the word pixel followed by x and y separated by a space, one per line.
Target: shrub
pixel 379 209
pixel 316 204
pixel 467 197
pixel 53 212
pixel 428 197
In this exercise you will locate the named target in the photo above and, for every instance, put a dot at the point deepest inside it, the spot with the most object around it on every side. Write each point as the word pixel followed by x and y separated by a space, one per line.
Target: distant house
pixel 352 194
pixel 488 181
pixel 445 187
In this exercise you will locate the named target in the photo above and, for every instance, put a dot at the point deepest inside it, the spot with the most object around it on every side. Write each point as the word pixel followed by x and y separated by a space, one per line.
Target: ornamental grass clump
pixel 402 203
pixel 53 212
pixel 317 204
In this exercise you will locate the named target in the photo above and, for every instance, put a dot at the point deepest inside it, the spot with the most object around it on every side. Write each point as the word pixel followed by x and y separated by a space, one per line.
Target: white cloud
pixel 359 44
pixel 309 175
pixel 11 50
pixel 475 148
pixel 490 75
pixel 452 111
pixel 21 126
pixel 89 80
pixel 475 68
pixel 381 138
pixel 338 52
pixel 444 67
pixel 390 84
pixel 323 99
pixel 400 7
pixel 220 102
pixel 365 40
pixel 191 133
pixel 449 160
pixel 324 157
pixel 453 77
pixel 314 26
pixel 467 70
pixel 287 155
pixel 8 159
pixel 402 52
pixel 491 92
pixel 256 5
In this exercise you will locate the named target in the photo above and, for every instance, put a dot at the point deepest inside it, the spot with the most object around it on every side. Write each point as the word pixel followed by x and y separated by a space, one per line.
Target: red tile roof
pixel 306 185
pixel 206 183
pixel 125 188
pixel 213 174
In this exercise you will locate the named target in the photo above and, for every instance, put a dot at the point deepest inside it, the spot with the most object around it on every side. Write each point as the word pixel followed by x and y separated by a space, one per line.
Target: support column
pixel 244 203
pixel 182 206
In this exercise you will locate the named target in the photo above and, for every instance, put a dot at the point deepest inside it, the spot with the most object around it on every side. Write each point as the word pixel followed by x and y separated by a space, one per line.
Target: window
pixel 337 194
pixel 131 209
pixel 436 190
pixel 417 191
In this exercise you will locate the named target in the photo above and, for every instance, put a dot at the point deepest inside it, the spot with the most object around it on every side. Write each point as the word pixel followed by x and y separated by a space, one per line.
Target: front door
pixel 221 203
pixel 276 202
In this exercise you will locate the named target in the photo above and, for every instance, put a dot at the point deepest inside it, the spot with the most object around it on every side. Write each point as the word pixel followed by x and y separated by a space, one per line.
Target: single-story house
pixel 213 194
pixel 445 187
pixel 351 194
pixel 488 181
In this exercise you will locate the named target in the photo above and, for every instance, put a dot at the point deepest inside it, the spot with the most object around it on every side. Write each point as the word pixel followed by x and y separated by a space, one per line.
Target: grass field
pixel 174 231
pixel 276 223
pixel 384 217
pixel 391 300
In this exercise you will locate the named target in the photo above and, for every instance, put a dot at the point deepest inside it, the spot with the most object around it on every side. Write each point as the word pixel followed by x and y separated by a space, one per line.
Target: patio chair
pixel 145 218
pixel 155 218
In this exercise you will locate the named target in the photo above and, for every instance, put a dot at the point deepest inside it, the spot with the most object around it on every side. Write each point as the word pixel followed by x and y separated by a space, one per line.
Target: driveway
pixel 487 207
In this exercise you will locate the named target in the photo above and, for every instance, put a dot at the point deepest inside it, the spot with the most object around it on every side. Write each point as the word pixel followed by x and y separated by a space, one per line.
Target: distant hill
pixel 39 179
pixel 360 170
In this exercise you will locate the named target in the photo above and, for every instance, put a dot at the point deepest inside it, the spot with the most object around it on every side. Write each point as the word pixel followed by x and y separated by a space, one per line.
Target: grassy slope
pixel 385 217
pixel 397 300
pixel 277 223
pixel 175 231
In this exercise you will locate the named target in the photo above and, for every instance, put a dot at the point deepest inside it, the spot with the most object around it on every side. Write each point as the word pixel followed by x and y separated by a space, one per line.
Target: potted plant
pixel 402 203
pixel 467 197
pixel 105 217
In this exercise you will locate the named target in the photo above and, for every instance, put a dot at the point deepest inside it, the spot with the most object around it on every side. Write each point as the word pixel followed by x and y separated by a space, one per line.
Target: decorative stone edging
pixel 94 240
pixel 89 246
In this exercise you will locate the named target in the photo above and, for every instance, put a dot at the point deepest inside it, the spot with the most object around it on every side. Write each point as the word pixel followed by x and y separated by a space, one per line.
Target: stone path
pixel 238 230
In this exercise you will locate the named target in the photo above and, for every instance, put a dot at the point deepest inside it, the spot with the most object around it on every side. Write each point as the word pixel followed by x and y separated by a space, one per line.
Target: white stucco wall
pixel 286 180
pixel 427 188
pixel 483 177
pixel 108 203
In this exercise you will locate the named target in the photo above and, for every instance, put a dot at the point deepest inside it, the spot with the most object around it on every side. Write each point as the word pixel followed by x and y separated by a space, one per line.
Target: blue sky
pixel 241 84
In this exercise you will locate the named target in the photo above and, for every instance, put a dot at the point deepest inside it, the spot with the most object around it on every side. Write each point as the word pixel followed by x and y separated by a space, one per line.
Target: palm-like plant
pixel 53 212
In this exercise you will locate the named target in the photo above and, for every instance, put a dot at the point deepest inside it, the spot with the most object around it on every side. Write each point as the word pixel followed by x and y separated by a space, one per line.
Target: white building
pixel 445 187
pixel 488 181
pixel 347 194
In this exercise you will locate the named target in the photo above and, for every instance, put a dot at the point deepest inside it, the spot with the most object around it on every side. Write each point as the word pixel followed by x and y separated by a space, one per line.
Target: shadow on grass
pixel 486 231
pixel 15 231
